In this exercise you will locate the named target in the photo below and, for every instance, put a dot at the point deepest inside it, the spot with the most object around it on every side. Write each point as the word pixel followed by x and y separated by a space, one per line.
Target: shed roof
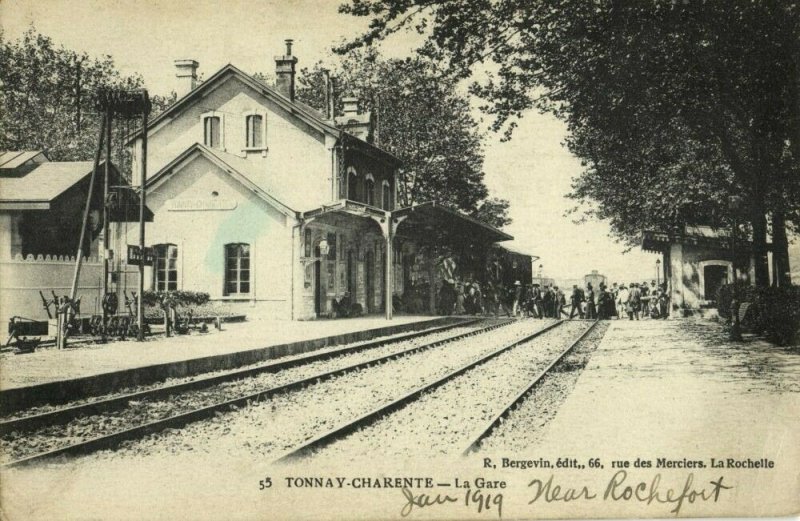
pixel 35 186
pixel 16 158
pixel 42 182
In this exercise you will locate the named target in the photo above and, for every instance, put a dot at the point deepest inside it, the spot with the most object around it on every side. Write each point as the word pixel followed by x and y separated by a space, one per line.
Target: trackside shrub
pixel 774 311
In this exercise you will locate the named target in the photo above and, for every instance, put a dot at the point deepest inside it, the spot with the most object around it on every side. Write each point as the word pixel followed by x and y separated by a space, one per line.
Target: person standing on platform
pixel 591 310
pixel 645 305
pixel 613 293
pixel 517 297
pixel 575 300
pixel 547 302
pixel 623 295
pixel 663 301
pixel 478 304
pixel 560 301
pixel 634 301
pixel 536 302
pixel 602 302
pixel 460 299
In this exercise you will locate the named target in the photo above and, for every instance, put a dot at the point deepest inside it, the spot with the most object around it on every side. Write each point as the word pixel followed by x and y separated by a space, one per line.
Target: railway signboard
pixel 135 257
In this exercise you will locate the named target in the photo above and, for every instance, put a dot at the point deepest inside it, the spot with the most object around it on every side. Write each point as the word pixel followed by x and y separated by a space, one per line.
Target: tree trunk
pixel 760 259
pixel 780 251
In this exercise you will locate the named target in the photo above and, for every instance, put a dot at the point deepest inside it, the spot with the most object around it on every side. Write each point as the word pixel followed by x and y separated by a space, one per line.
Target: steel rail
pixel 370 417
pixel 109 441
pixel 65 414
pixel 487 430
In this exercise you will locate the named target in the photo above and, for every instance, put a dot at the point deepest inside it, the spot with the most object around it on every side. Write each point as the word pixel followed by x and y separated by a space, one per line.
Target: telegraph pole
pixel 142 195
pixel 107 172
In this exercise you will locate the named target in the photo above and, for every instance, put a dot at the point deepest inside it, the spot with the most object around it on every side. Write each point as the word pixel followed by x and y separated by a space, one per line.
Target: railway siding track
pixel 486 431
pixel 373 415
pixel 109 441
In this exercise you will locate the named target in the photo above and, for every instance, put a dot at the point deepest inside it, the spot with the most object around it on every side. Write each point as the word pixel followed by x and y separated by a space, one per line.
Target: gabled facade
pixel 262 201
pixel 236 170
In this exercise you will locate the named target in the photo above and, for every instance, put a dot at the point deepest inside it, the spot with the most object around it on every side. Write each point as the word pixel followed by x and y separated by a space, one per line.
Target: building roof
pixel 512 248
pixel 240 169
pixel 41 183
pixel 705 236
pixel 434 214
pixel 16 158
pixel 304 112
pixel 35 186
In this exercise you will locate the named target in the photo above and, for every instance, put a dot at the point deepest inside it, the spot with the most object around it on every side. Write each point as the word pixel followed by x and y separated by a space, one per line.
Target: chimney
pixel 350 106
pixel 186 72
pixel 284 72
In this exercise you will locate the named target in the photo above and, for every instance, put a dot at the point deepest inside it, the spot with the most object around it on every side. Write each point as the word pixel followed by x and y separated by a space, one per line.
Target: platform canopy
pixel 433 222
pixel 703 236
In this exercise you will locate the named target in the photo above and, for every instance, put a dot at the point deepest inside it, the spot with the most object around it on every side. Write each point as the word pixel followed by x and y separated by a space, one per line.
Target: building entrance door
pixel 369 281
pixel 351 276
pixel 714 277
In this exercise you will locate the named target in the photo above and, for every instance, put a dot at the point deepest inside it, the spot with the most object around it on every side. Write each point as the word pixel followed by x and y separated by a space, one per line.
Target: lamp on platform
pixel 324 248
pixel 658 273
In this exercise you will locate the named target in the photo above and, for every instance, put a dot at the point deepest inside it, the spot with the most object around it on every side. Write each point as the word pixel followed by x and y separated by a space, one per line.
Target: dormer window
pixel 213 130
pixel 255 131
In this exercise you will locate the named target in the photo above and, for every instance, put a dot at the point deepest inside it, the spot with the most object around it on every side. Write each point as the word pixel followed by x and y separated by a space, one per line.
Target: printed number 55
pixel 264 483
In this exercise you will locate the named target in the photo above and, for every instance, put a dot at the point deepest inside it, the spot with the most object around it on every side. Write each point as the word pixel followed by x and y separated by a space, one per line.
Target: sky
pixel 532 170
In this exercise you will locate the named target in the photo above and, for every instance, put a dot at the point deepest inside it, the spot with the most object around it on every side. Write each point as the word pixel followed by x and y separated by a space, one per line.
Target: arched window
pixel 255 131
pixel 237 269
pixel 165 268
pixel 386 196
pixel 369 190
pixel 352 184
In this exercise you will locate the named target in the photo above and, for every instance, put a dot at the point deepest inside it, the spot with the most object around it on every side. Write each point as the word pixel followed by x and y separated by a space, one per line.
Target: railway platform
pixel 681 389
pixel 93 369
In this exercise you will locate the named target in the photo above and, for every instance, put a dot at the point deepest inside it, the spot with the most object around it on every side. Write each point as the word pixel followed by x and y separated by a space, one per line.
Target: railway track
pixel 343 430
pixel 487 430
pixel 111 440
pixel 64 414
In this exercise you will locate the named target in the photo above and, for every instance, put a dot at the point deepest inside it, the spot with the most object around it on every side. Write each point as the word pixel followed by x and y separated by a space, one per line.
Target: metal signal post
pixel 139 302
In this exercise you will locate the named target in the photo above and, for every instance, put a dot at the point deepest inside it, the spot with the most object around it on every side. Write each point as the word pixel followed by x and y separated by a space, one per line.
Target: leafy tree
pixel 493 211
pixel 421 119
pixel 672 105
pixel 48 99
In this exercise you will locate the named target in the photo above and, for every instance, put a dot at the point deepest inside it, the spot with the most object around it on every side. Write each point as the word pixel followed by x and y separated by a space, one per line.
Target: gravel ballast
pixel 444 420
pixel 275 425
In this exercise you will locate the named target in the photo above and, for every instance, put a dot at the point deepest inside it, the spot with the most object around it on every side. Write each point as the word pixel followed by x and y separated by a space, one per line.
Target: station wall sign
pixel 187 205
pixel 135 257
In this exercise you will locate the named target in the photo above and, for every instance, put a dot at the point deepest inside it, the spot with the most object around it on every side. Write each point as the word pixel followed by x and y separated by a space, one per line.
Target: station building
pixel 696 263
pixel 267 204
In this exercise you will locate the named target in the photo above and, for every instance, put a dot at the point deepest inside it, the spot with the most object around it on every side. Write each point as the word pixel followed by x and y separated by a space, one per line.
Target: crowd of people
pixel 634 301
